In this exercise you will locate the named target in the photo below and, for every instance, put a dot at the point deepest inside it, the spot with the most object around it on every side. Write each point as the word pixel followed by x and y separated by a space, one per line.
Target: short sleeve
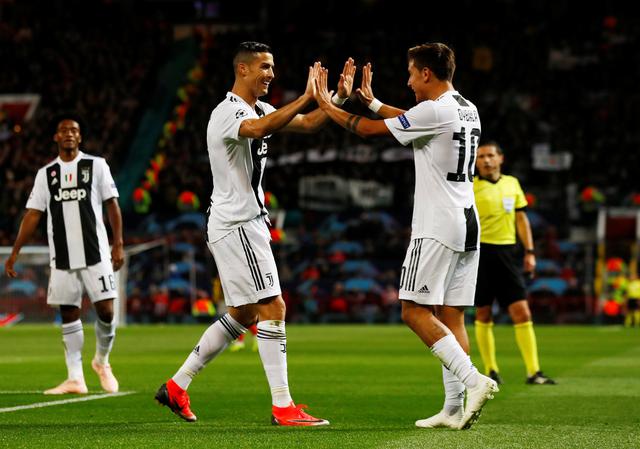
pixel 521 200
pixel 232 115
pixel 106 184
pixel 38 197
pixel 419 121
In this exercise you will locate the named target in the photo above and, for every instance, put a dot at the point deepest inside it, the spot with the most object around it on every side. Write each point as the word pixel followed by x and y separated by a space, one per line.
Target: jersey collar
pixel 448 92
pixel 80 154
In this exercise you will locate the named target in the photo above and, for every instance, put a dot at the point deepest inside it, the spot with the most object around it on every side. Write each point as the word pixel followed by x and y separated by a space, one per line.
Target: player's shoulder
pixel 231 106
pixel 265 107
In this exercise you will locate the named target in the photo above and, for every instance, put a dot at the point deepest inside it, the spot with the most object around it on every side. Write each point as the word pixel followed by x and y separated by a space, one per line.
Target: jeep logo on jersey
pixel 71 194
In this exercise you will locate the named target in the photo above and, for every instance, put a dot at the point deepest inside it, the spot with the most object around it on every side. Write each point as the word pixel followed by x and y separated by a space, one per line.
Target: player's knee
pixel 69 314
pixel 104 310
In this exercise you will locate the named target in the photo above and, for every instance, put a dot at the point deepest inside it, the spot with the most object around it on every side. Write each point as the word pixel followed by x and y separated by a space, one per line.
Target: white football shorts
pixel 433 274
pixel 66 286
pixel 246 265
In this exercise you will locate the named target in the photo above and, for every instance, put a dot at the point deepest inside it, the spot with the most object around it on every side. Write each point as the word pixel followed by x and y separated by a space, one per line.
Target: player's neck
pixel 244 93
pixel 67 155
pixel 440 88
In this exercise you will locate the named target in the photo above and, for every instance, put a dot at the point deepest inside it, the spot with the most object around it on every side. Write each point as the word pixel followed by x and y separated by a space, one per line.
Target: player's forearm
pixel 115 220
pixel 523 229
pixel 388 111
pixel 356 124
pixel 276 120
pixel 314 121
pixel 27 228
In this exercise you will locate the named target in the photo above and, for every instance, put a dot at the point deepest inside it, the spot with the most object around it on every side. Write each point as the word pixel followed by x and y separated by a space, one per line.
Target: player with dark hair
pixel 237 232
pixel 72 189
pixel 439 272
pixel 501 206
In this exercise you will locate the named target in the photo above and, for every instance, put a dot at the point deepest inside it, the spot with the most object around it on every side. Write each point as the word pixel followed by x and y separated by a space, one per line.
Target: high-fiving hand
pixel 314 72
pixel 345 84
pixel 365 92
pixel 322 93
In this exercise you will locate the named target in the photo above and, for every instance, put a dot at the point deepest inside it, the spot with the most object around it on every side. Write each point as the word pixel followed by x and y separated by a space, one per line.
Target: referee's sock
pixel 214 340
pixel 526 339
pixel 487 346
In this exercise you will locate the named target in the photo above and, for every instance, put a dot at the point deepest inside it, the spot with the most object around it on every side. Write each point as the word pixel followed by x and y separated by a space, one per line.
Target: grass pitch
pixel 371 382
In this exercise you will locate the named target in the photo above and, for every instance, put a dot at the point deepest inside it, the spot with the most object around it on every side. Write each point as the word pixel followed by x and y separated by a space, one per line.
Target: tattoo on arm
pixel 352 122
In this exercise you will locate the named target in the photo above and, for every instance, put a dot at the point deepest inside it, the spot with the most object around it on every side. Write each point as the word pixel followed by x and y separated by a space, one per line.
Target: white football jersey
pixel 445 135
pixel 237 166
pixel 72 193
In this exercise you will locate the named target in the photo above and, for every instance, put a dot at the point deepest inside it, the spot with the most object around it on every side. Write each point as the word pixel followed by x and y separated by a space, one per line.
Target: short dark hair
pixel 492 143
pixel 437 57
pixel 246 51
pixel 70 115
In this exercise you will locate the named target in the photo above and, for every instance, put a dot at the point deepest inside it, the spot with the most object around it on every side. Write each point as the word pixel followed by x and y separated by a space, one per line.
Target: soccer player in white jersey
pixel 439 272
pixel 237 232
pixel 72 190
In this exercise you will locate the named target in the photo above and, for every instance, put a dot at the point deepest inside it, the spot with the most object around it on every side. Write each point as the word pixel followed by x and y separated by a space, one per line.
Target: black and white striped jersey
pixel 72 193
pixel 237 166
pixel 445 134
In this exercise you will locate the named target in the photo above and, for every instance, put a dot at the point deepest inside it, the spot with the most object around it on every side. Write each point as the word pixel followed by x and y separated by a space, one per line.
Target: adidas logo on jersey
pixel 71 194
pixel 424 289
pixel 196 350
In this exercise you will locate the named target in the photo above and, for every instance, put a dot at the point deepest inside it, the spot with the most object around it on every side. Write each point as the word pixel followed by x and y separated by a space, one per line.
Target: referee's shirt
pixel 497 203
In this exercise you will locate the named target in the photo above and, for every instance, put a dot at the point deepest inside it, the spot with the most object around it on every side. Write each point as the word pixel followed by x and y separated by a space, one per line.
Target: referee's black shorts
pixel 499 276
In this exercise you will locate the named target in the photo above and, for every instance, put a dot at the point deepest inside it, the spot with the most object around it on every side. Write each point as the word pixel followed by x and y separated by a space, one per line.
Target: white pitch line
pixel 64 401
pixel 31 392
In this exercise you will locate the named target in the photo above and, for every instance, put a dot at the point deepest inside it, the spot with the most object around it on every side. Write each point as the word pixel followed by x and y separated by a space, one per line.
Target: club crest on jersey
pixel 241 113
pixel 85 174
pixel 403 121
pixel 270 279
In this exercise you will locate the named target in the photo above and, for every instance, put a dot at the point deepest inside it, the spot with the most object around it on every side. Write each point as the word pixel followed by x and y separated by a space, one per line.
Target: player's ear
pixel 242 69
pixel 426 74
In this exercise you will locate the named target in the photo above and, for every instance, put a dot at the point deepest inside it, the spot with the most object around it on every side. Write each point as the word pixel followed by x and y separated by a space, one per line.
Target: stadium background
pixel 558 93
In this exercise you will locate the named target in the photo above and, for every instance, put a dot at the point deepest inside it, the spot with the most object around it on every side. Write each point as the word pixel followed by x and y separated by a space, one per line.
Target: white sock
pixel 73 340
pixel 272 344
pixel 214 340
pixel 453 392
pixel 105 334
pixel 453 357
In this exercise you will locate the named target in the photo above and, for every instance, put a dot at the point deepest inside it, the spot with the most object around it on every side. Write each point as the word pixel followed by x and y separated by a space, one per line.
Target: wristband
pixel 530 251
pixel 375 105
pixel 338 101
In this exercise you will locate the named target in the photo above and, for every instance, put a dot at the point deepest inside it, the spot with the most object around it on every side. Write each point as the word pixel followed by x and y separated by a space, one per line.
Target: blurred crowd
pixel 539 77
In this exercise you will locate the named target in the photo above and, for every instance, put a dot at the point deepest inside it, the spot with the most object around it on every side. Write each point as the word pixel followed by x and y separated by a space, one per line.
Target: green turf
pixel 371 382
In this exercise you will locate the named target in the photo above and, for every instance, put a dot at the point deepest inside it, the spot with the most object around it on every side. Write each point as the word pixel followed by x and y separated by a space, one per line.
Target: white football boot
pixel 108 381
pixel 476 398
pixel 69 386
pixel 442 420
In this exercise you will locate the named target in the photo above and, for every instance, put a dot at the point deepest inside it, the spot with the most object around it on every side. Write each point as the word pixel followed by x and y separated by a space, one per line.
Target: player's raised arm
pixel 27 228
pixel 365 94
pixel 259 128
pixel 313 121
pixel 357 124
